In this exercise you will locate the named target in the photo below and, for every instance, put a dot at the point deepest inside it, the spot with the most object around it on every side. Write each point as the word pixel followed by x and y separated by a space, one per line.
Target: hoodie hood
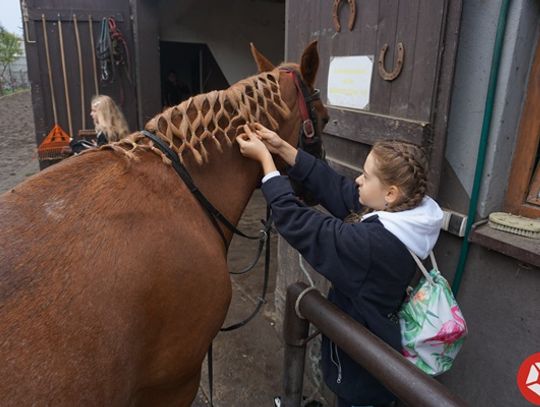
pixel 417 228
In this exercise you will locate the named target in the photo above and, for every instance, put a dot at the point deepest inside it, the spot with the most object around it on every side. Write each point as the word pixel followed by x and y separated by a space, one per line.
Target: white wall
pixel 477 38
pixel 227 27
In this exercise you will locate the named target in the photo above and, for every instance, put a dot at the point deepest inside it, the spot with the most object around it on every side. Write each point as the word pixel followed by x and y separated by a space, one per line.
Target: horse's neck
pixel 228 181
pixel 212 156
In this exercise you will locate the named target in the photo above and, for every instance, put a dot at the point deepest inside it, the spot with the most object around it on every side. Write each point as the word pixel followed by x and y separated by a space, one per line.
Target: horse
pixel 113 279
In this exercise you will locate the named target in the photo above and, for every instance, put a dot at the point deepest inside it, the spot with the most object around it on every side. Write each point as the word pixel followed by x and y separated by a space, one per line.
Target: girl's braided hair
pixel 404 165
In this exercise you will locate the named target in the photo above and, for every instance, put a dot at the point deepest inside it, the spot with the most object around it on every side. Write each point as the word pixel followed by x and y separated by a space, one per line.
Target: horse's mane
pixel 215 116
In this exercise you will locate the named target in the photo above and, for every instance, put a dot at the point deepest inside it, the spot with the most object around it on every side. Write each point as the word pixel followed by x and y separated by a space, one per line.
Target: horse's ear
pixel 310 63
pixel 263 64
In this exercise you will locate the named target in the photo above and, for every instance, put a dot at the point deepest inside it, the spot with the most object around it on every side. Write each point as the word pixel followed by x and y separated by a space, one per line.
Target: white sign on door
pixel 349 81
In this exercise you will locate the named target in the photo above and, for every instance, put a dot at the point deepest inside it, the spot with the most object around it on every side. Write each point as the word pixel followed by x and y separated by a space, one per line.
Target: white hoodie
pixel 417 228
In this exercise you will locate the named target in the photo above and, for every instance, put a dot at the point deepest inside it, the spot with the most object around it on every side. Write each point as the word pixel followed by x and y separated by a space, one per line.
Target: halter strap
pixel 303 98
pixel 214 215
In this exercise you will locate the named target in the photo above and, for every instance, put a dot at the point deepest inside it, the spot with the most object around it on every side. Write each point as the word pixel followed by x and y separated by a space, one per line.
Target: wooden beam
pixel 367 127
pixel 518 247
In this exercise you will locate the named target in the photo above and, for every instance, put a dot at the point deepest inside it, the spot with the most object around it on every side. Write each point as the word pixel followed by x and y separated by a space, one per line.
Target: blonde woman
pixel 109 123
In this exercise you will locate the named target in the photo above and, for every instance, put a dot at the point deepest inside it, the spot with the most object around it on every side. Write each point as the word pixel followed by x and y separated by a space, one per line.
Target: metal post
pixel 406 381
pixel 295 331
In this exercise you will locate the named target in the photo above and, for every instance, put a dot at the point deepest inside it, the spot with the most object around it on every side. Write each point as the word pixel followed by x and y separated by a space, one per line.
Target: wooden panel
pixel 414 106
pixel 521 248
pixel 406 32
pixel 121 90
pixel 444 93
pixel 146 40
pixel 368 127
pixel 381 90
pixel 428 49
pixel 534 191
pixel 524 158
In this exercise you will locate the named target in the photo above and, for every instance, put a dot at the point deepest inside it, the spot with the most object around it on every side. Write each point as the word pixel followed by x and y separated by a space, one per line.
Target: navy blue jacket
pixel 368 266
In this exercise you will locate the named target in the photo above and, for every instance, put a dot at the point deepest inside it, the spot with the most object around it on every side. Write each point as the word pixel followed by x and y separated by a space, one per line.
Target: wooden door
pixel 413 106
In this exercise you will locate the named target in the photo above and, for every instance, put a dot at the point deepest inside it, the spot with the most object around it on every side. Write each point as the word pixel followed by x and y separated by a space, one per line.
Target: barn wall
pixel 227 27
pixel 477 37
pixel 498 294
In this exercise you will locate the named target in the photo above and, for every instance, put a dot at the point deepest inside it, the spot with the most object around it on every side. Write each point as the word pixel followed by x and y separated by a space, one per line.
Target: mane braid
pixel 215 116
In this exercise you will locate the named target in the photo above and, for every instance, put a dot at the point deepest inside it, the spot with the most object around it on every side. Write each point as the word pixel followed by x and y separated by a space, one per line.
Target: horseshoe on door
pixel 352 14
pixel 390 76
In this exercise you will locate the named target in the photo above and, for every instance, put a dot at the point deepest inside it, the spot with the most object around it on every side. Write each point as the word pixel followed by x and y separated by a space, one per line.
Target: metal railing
pixel 408 383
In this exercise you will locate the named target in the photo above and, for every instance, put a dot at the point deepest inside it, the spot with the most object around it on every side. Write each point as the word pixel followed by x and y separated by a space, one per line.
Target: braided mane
pixel 213 117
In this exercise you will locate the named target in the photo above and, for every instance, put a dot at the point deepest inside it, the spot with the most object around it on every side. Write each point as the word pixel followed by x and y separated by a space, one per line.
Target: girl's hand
pixel 251 146
pixel 273 142
pixel 276 144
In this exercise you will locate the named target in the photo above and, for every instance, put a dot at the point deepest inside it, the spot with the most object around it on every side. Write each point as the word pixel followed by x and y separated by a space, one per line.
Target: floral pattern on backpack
pixel 433 328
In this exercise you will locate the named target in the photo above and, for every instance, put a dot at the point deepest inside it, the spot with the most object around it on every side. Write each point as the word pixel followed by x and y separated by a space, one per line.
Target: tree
pixel 10 50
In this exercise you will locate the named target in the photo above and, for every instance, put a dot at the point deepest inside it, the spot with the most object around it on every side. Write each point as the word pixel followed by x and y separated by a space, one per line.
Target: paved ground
pixel 248 361
pixel 18 158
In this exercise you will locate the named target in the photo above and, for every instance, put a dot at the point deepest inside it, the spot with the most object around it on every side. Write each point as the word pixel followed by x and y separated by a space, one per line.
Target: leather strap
pixel 214 215
pixel 303 95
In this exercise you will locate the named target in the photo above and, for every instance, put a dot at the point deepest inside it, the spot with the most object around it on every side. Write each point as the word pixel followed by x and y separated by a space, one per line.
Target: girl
pixel 109 124
pixel 367 262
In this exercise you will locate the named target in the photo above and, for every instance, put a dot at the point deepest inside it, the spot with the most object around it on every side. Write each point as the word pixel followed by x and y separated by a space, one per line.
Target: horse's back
pixel 105 278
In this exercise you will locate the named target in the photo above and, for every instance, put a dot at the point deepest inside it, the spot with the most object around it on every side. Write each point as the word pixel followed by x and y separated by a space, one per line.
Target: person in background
pixel 109 123
pixel 174 90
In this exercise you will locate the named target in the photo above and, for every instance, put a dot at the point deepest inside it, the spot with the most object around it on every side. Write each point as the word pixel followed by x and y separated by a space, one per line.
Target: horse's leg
pixel 198 306
pixel 170 394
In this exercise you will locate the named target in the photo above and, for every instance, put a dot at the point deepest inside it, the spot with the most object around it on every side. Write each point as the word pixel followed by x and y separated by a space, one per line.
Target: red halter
pixel 301 91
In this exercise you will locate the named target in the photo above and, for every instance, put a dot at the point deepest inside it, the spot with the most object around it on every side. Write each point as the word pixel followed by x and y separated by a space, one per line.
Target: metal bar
pixel 24 8
pixel 53 15
pixel 295 332
pixel 408 383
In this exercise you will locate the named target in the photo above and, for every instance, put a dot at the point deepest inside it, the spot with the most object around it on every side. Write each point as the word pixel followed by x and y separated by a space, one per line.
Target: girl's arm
pixel 338 194
pixel 337 250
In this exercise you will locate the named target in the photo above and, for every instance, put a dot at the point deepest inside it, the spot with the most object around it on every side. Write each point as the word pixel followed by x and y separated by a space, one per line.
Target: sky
pixel 10 16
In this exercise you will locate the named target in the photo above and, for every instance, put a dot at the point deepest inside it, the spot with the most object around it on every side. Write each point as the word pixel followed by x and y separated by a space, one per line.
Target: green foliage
pixel 10 49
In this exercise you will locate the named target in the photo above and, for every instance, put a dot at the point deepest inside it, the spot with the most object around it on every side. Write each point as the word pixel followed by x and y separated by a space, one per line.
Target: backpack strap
pixel 422 267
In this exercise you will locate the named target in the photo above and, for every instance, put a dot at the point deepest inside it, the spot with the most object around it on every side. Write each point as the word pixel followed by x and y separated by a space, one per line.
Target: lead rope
pixel 306 290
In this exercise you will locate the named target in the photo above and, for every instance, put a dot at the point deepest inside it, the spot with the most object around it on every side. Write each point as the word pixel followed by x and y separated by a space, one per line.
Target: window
pixel 523 195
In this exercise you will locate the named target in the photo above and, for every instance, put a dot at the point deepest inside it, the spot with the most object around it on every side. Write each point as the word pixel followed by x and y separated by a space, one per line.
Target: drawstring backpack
pixel 432 326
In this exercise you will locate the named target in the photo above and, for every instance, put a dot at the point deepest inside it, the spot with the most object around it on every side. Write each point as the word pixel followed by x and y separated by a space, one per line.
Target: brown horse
pixel 113 279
